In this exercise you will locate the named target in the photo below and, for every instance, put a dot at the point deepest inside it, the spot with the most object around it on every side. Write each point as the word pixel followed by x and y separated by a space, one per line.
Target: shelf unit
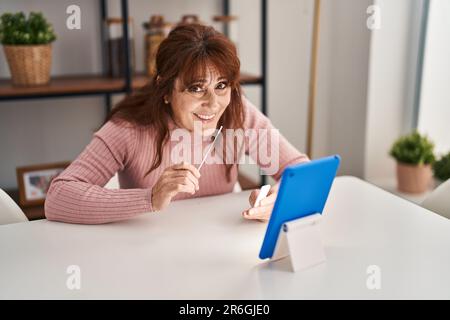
pixel 102 85
pixel 81 85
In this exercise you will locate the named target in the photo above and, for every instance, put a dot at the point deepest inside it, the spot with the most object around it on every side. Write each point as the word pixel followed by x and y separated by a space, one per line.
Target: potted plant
pixel 441 168
pixel 415 155
pixel 27 46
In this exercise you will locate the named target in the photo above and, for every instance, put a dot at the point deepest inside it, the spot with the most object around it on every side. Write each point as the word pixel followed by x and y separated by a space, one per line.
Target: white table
pixel 202 248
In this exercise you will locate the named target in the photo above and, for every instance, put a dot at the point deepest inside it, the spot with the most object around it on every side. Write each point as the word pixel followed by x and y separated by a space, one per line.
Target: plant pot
pixel 413 178
pixel 29 65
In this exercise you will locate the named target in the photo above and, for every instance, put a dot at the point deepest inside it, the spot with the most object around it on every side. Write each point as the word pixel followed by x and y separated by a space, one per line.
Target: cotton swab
pixel 209 149
pixel 262 194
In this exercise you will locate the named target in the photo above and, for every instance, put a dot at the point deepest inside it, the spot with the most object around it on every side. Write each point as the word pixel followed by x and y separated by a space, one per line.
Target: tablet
pixel 303 191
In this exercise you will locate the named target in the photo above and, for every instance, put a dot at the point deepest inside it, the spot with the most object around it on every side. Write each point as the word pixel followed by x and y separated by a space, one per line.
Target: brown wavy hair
pixel 185 54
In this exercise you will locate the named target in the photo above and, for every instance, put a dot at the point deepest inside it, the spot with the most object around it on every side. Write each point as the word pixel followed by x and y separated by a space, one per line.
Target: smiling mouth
pixel 205 117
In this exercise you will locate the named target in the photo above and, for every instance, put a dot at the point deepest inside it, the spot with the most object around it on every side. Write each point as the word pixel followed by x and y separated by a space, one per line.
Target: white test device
pixel 262 194
pixel 210 148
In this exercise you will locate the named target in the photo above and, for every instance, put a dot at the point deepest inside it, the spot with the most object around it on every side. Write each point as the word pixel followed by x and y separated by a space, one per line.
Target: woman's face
pixel 204 100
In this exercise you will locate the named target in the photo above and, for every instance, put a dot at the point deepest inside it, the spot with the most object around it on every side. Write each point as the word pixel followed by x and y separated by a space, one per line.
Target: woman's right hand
pixel 178 178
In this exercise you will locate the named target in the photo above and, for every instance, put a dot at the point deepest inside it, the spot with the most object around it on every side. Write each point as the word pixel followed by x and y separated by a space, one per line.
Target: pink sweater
pixel 77 195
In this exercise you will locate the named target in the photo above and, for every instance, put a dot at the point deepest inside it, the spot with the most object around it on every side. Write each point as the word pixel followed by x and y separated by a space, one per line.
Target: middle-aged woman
pixel 196 81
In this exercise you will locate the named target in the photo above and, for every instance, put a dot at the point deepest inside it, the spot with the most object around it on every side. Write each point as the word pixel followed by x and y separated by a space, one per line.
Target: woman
pixel 196 81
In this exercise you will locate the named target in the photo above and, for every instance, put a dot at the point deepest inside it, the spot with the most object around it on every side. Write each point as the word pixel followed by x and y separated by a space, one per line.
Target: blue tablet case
pixel 303 191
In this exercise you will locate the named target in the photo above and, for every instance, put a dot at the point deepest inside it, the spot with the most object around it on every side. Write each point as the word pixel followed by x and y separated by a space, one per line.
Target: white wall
pixel 342 74
pixel 434 112
pixel 289 46
pixel 288 72
pixel 342 83
pixel 393 60
pixel 366 83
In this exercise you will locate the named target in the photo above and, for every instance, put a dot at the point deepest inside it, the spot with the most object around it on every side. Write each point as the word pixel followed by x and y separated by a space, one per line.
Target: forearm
pixel 84 203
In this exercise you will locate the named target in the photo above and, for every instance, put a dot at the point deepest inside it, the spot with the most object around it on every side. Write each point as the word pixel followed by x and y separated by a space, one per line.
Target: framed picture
pixel 34 181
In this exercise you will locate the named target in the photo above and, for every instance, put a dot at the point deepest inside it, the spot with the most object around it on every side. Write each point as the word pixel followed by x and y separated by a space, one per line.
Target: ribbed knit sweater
pixel 78 195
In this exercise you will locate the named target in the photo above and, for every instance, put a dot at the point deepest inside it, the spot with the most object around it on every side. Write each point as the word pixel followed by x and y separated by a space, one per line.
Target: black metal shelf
pixel 88 85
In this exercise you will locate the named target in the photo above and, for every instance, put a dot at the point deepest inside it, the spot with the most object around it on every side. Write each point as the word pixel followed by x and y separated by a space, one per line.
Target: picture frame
pixel 33 181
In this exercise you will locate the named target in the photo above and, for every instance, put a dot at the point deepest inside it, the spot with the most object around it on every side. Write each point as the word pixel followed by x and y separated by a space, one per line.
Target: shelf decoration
pixel 27 46
pixel 34 181
pixel 156 30
pixel 116 58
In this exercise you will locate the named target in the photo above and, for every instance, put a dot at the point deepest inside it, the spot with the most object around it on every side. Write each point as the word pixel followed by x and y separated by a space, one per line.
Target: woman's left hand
pixel 264 210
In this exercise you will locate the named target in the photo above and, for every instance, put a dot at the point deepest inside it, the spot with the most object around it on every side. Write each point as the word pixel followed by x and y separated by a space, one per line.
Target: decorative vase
pixel 413 178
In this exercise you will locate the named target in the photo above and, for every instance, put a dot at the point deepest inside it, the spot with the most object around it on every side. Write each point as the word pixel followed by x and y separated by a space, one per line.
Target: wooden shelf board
pixel 85 84
pixel 247 78
pixel 60 85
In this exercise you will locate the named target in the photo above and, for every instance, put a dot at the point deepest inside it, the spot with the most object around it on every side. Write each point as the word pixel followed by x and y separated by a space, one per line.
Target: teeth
pixel 205 116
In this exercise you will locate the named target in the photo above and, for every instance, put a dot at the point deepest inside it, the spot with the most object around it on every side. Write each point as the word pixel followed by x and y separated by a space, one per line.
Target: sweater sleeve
pixel 267 146
pixel 77 194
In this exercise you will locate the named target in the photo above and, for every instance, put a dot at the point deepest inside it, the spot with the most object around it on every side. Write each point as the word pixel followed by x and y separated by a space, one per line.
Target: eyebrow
pixel 204 80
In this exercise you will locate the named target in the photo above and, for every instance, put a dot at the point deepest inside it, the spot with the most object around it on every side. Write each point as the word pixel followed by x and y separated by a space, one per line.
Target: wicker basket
pixel 29 65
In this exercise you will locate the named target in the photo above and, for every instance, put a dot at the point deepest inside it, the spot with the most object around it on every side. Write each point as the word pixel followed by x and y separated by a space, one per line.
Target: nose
pixel 211 97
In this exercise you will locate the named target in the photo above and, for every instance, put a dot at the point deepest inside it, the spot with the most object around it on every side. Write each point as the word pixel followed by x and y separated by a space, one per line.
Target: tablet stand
pixel 300 239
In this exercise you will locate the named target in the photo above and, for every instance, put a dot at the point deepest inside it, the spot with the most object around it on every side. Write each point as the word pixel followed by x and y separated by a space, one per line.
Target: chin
pixel 208 129
pixel 211 125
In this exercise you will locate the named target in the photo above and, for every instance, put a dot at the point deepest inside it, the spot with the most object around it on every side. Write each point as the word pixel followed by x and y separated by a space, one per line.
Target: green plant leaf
pixel 441 168
pixel 17 29
pixel 413 149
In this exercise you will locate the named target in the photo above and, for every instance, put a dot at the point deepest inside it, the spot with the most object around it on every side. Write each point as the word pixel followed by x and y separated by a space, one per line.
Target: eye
pixel 195 89
pixel 222 85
